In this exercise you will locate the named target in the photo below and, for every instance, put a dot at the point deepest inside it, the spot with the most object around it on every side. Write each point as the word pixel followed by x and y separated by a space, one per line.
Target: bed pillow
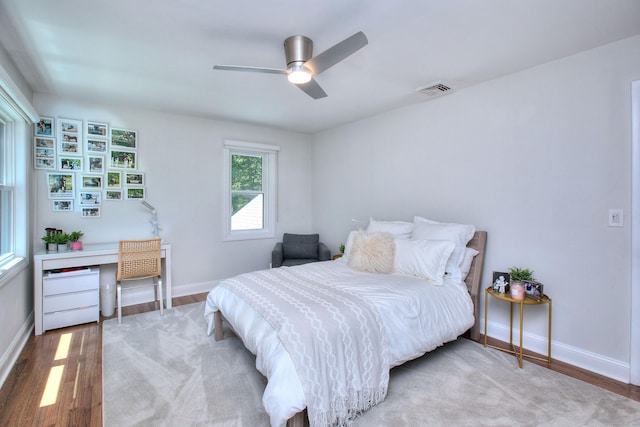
pixel 399 229
pixel 372 252
pixel 423 258
pixel 347 246
pixel 469 255
pixel 426 229
pixel 458 234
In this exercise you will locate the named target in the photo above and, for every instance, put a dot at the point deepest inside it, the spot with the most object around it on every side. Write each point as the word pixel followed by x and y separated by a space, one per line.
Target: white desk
pixel 97 254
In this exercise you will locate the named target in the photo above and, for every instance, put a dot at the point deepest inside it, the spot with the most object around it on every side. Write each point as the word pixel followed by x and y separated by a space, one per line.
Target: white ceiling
pixel 159 54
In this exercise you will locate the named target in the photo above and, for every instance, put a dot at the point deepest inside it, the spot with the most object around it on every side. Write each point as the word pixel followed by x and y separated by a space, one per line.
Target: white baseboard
pixel 565 353
pixel 8 359
pixel 142 295
pixel 194 288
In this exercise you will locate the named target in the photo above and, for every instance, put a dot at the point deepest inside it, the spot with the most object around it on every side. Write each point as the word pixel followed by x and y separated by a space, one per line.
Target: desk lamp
pixel 154 218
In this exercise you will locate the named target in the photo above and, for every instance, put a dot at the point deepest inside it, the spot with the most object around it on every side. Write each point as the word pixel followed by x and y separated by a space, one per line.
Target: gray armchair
pixel 297 249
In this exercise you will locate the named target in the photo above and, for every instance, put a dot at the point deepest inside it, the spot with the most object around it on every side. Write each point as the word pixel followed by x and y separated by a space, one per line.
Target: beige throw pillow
pixel 372 252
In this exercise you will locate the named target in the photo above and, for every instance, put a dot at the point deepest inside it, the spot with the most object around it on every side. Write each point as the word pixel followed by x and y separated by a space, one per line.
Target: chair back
pixel 139 259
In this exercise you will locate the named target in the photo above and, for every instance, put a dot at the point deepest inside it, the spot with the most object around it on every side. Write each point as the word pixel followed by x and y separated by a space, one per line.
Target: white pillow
pixel 399 229
pixel 469 255
pixel 423 258
pixel 372 252
pixel 348 246
pixel 458 234
pixel 426 229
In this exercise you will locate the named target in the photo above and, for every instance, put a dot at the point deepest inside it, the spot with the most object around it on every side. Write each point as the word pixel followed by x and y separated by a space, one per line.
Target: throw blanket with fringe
pixel 335 339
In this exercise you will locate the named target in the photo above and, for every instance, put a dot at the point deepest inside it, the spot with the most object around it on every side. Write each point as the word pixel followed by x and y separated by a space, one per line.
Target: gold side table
pixel 527 301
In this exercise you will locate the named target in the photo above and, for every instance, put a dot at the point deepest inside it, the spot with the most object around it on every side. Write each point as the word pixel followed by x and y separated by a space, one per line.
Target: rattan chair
pixel 139 259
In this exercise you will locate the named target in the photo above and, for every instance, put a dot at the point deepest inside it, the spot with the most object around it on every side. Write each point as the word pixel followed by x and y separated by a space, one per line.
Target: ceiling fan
pixel 302 66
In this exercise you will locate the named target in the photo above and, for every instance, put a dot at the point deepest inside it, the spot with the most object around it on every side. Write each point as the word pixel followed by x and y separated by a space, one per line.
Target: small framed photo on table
pixel 501 282
pixel 534 290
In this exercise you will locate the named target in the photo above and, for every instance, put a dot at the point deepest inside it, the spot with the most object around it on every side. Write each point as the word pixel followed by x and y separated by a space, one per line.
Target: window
pixel 6 196
pixel 15 125
pixel 250 190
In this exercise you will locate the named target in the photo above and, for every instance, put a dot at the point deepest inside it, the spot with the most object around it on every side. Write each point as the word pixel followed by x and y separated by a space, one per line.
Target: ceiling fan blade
pixel 313 89
pixel 337 53
pixel 249 69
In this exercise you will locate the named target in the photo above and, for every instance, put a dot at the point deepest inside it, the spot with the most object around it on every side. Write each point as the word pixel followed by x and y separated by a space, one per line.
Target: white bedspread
pixel 417 318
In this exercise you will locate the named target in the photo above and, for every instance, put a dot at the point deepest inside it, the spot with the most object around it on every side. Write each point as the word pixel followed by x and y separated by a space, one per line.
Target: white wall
pixel 182 161
pixel 535 158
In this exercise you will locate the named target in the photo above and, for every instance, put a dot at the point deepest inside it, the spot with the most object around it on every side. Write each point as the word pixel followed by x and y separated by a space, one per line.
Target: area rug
pixel 166 371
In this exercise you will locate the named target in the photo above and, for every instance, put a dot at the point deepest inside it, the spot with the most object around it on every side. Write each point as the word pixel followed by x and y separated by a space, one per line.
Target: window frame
pixel 269 155
pixel 18 116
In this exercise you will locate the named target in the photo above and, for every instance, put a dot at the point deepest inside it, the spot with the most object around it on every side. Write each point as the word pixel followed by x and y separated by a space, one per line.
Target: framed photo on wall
pixel 114 179
pixel 45 127
pixel 113 195
pixel 73 164
pixel 95 164
pixel 99 130
pixel 70 136
pixel 60 185
pixel 90 198
pixel 96 145
pixel 62 205
pixel 134 193
pixel 91 181
pixel 122 159
pixel 44 153
pixel 124 138
pixel 45 164
pixel 134 179
pixel 92 212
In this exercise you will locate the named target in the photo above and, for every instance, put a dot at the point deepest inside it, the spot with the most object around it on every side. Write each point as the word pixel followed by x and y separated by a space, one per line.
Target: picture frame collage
pixel 87 162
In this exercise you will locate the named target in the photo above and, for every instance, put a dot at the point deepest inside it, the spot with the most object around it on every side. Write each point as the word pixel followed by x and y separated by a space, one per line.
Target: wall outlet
pixel 616 218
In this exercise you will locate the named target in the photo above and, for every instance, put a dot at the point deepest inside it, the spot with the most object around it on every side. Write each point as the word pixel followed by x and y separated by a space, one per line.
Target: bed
pixel 396 315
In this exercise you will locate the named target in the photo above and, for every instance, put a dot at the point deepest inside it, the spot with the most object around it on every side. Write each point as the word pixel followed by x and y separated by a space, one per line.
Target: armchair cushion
pixel 297 249
pixel 300 246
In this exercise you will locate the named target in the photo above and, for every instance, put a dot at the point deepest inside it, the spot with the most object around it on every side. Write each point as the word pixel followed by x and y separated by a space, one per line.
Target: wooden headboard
pixel 474 279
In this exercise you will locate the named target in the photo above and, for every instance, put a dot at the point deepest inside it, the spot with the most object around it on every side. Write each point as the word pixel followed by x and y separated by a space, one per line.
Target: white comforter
pixel 418 317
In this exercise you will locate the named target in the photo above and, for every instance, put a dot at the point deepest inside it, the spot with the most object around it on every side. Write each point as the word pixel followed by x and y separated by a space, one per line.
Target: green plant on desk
pixel 49 238
pixel 61 238
pixel 75 236
pixel 521 274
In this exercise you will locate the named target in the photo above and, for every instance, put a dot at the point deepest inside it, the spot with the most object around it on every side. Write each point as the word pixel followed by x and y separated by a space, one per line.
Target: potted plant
pixel 518 277
pixel 62 239
pixel 74 237
pixel 50 241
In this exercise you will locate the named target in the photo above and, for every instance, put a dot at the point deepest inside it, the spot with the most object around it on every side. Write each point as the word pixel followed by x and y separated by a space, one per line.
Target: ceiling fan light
pixel 299 74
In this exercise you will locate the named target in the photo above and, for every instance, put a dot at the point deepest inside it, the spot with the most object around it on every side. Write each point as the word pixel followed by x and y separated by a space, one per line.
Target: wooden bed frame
pixel 473 282
pixel 474 279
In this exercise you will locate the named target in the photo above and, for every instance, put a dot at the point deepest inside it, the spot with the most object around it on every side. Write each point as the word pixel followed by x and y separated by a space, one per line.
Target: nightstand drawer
pixel 70 301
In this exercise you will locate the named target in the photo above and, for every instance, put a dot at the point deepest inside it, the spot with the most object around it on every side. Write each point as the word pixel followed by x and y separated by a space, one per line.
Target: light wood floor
pixel 78 400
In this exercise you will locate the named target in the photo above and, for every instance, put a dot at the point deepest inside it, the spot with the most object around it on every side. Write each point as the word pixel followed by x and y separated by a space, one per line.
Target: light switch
pixel 616 218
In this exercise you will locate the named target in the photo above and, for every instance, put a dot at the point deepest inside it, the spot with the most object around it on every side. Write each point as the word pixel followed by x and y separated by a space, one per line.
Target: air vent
pixel 436 89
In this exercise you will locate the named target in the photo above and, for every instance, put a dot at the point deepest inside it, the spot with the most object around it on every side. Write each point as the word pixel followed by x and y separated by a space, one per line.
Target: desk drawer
pixel 70 301
pixel 74 281
pixel 60 319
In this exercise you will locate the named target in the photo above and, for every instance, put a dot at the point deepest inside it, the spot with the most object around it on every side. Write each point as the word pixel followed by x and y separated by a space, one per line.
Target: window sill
pixel 10 269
